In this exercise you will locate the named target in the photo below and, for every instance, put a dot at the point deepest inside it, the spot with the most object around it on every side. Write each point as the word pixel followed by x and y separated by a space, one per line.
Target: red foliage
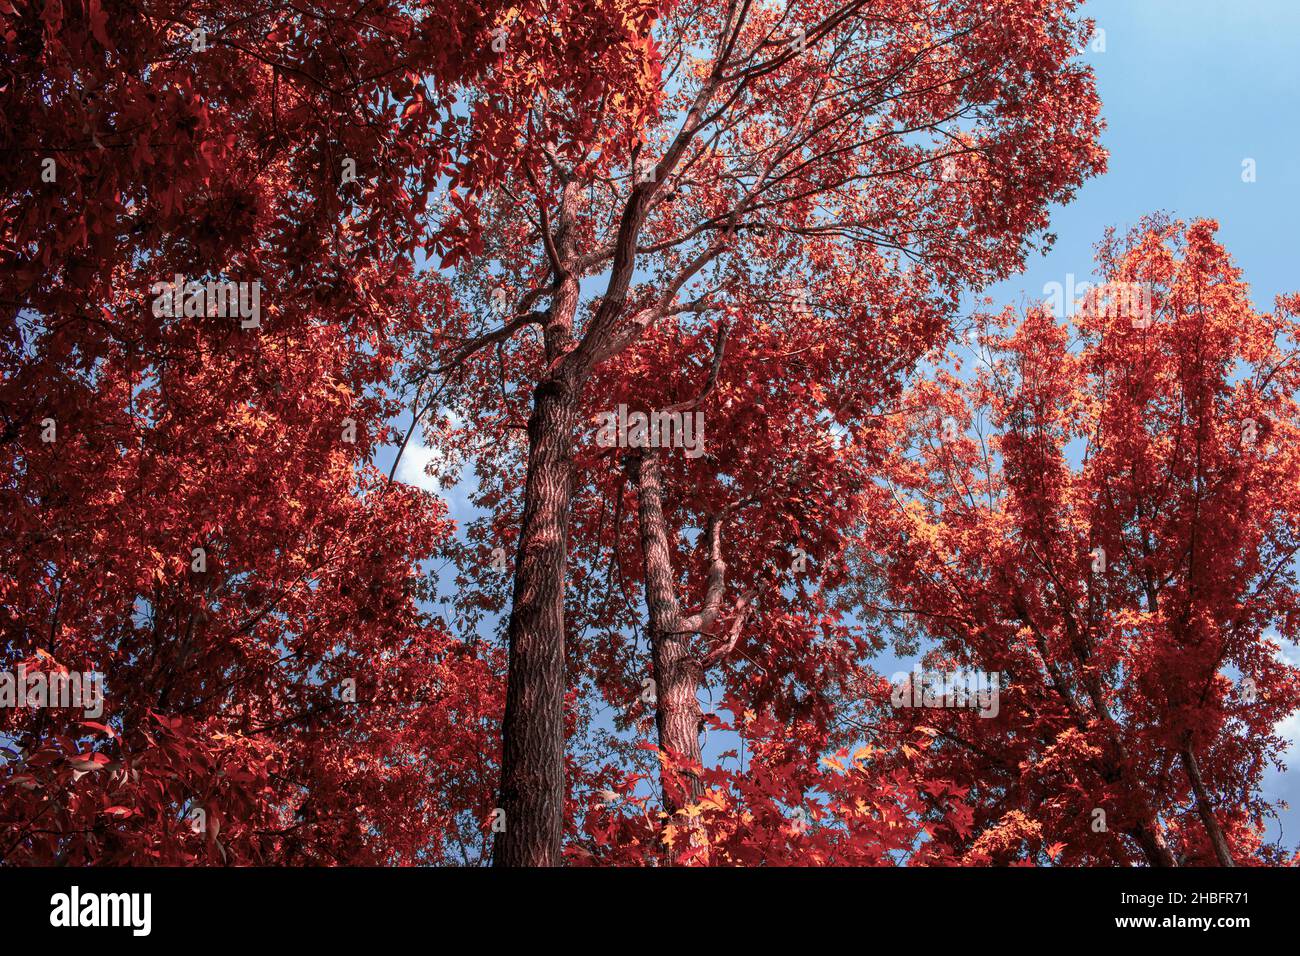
pixel 1105 526
pixel 761 215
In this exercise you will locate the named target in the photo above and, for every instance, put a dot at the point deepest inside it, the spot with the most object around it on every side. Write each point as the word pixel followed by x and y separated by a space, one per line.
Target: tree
pixel 793 437
pixel 1102 512
pixel 188 508
pixel 782 141
pixel 203 533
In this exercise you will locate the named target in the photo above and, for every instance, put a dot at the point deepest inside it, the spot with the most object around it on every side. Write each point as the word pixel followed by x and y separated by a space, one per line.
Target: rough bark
pixel 532 757
pixel 532 763
pixel 532 787
pixel 677 674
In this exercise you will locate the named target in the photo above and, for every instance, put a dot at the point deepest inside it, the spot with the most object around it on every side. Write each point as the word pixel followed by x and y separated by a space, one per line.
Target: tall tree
pixel 187 504
pixel 202 531
pixel 1104 513
pixel 781 137
pixel 793 434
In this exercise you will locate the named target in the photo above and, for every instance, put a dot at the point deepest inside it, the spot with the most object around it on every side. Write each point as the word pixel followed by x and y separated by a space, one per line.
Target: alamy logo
pixel 621 429
pixel 216 298
pixel 960 688
pixel 1115 300
pixel 74 909
pixel 22 688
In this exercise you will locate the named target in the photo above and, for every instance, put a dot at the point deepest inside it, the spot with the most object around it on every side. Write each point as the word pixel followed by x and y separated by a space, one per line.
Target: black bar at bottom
pixel 602 907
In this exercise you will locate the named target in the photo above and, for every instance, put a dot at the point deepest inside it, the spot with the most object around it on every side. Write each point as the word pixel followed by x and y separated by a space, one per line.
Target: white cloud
pixel 414 468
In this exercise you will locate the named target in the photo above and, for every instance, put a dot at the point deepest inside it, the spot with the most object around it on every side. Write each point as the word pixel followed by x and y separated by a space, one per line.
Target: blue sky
pixel 1190 89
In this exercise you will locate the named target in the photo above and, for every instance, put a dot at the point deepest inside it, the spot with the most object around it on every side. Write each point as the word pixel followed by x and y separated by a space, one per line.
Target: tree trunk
pixel 532 760
pixel 677 673
pixel 1153 845
pixel 677 718
pixel 1220 843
